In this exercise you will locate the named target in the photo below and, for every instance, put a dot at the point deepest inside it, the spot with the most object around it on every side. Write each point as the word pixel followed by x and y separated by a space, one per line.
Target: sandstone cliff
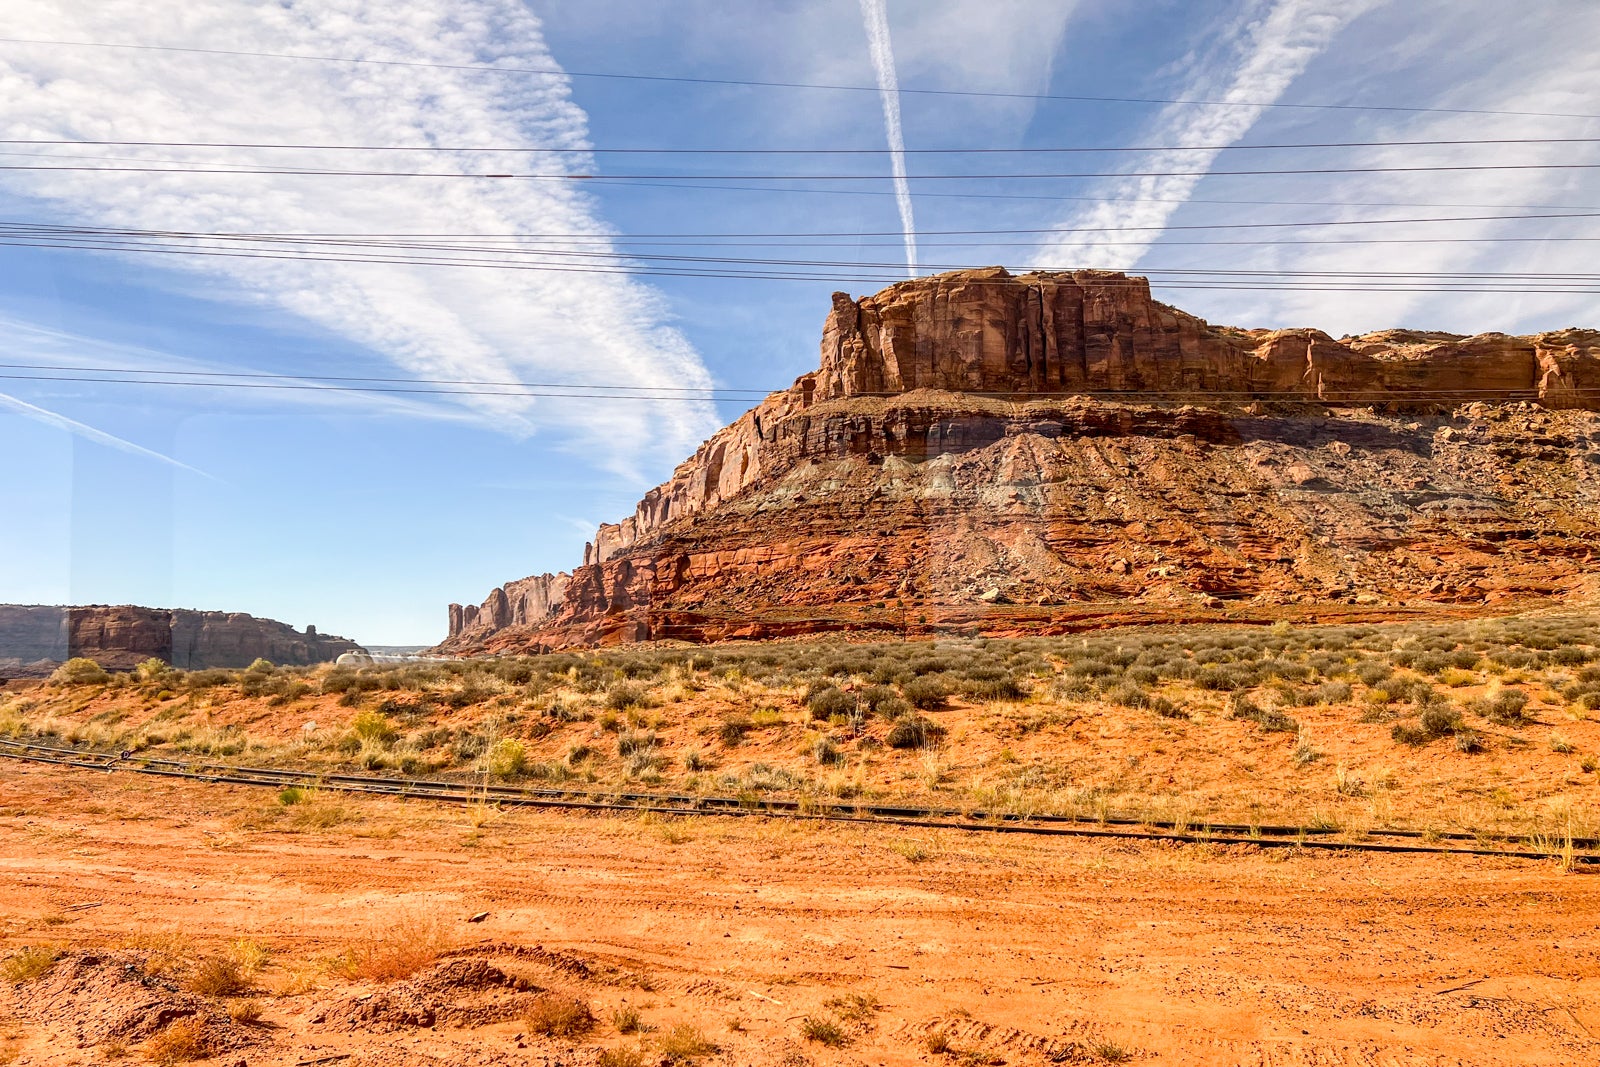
pixel 979 439
pixel 34 638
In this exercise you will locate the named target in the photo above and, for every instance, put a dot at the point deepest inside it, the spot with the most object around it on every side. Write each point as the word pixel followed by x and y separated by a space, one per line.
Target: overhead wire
pixel 559 72
pixel 226 169
pixel 764 151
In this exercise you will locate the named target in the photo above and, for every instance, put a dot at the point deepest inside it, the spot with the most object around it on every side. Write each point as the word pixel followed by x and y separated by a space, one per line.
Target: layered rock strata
pixel 34 638
pixel 1015 449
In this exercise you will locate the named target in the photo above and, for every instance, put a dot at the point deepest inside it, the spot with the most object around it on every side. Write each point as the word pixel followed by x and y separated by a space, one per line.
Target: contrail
pixel 876 20
pixel 73 426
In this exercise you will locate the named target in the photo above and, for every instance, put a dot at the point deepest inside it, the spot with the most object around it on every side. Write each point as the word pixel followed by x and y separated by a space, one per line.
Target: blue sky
pixel 366 513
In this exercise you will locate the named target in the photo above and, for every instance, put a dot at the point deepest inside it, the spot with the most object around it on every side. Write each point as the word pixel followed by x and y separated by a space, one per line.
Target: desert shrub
pixel 1167 709
pixel 626 695
pixel 1409 734
pixel 151 670
pixel 1440 719
pixel 507 759
pixel 1508 707
pixel 630 743
pixel 829 701
pixel 394 951
pixel 824 751
pixel 289 694
pixel 1373 672
pixel 822 1031
pixel 218 976
pixel 1128 695
pixel 80 670
pixel 873 697
pixel 926 692
pixel 623 1057
pixel 627 1021
pixel 183 1041
pixel 694 761
pixel 1227 678
pixel 914 731
pixel 685 1043
pixel 28 963
pixel 557 1016
pixel 369 725
pixel 1330 693
pixel 731 731
pixel 987 684
pixel 1269 719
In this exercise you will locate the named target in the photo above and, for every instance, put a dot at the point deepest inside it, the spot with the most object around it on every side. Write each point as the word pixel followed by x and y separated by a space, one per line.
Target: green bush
pixel 369 725
pixel 80 670
pixel 507 759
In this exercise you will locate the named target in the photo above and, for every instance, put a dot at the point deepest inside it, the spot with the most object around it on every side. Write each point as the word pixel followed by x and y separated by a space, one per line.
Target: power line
pixel 1399 394
pixel 1050 150
pixel 750 83
pixel 832 276
pixel 380 380
pixel 224 169
pixel 785 235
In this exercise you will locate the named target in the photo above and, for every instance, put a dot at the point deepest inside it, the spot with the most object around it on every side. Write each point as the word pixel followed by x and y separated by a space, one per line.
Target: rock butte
pixel 987 452
pixel 34 638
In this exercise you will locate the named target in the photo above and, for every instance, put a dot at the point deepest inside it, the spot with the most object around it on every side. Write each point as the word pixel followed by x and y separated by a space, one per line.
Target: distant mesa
pixel 987 452
pixel 36 638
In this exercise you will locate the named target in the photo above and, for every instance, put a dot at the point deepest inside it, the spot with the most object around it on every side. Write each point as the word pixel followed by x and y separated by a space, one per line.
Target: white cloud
pixel 1539 64
pixel 876 22
pixel 1269 50
pixel 432 322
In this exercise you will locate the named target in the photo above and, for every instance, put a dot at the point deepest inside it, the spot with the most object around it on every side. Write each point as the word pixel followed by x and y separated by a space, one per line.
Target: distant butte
pixel 35 638
pixel 987 452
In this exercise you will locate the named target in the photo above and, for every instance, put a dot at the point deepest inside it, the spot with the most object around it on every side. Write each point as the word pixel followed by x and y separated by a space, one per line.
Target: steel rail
pixel 1267 836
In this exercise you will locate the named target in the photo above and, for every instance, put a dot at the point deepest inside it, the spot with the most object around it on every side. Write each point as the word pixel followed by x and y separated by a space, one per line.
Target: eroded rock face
pixel 1066 440
pixel 37 637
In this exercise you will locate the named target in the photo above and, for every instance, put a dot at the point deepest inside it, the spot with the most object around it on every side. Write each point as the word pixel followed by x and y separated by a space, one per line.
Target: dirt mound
pixel 95 997
pixel 454 992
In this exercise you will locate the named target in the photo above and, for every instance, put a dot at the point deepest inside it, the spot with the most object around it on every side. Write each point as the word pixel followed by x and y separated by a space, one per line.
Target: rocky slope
pixel 35 638
pixel 1006 452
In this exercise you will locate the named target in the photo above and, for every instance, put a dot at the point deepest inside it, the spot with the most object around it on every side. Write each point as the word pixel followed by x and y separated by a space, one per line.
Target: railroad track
pixel 1578 850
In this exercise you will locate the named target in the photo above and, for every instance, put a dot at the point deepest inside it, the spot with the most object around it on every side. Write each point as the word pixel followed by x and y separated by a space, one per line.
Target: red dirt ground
pixel 1022 951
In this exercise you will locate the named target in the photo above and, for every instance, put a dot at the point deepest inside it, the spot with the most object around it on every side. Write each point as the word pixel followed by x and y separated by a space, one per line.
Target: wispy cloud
pixel 876 20
pixel 1496 74
pixel 431 322
pixel 1267 54
pixel 89 433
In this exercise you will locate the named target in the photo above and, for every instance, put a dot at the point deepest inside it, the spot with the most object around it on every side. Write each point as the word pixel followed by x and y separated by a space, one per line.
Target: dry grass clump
pixel 623 1057
pixel 218 976
pixel 552 1015
pixel 28 963
pixel 823 1031
pixel 398 950
pixel 627 1021
pixel 853 1007
pixel 685 1044
pixel 183 1041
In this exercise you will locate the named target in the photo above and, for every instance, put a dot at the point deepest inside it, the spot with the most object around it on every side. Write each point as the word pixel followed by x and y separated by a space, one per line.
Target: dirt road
pixel 1013 951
